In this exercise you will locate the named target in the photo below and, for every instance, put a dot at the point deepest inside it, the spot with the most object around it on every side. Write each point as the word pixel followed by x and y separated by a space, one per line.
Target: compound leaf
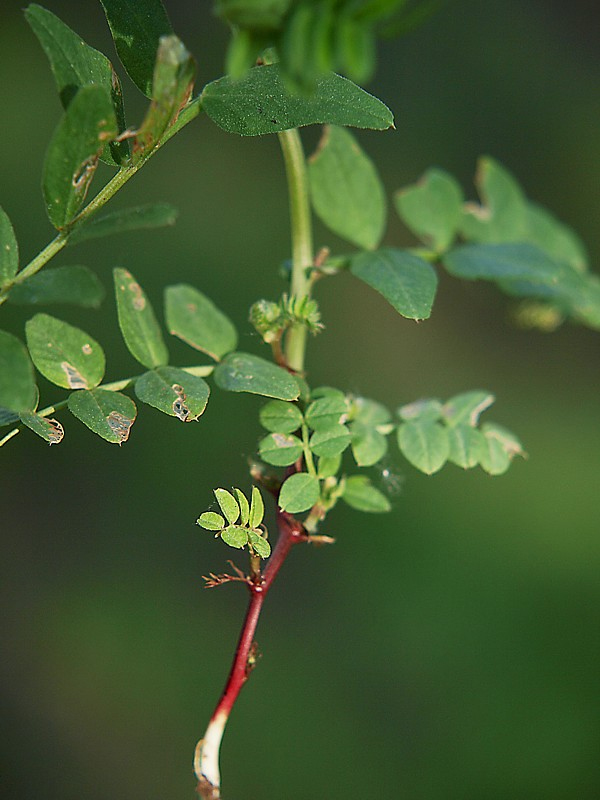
pixel 425 445
pixel 299 493
pixel 18 391
pixel 259 103
pixel 136 27
pixel 174 392
pixel 74 285
pixel 137 321
pixel 360 494
pixel 345 189
pixel 406 281
pixel 88 124
pixel 66 355
pixel 195 319
pixel 243 372
pixel 108 414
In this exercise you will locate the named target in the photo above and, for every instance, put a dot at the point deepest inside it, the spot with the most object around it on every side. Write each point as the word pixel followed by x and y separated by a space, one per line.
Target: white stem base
pixel 206 757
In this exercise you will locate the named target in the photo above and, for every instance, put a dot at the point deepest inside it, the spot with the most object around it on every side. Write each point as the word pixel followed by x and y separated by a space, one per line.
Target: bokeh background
pixel 447 651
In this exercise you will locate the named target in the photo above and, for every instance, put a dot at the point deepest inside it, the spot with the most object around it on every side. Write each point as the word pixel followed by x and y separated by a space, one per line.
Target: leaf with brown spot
pixel 50 430
pixel 138 323
pixel 109 414
pixel 174 392
pixel 66 355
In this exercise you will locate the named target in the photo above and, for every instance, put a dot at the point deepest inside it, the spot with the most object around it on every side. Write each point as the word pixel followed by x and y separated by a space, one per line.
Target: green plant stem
pixel 104 195
pixel 302 240
pixel 114 386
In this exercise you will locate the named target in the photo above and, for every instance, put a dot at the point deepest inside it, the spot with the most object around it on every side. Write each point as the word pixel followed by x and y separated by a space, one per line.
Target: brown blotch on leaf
pixel 179 406
pixel 139 301
pixel 87 349
pixel 56 431
pixel 74 378
pixel 120 425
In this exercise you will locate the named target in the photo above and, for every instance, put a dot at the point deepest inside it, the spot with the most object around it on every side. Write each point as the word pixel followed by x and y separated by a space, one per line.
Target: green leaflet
pixel 244 506
pixel 18 391
pixel 406 281
pixel 280 449
pixel 428 410
pixel 235 536
pixel 88 124
pixel 211 521
pixel 74 285
pixel 259 104
pixel 360 494
pixel 243 372
pixel 368 444
pixel 327 412
pixel 345 189
pixel 432 208
pixel 174 392
pixel 229 505
pixel 136 27
pixel 466 446
pixel 500 447
pixel 259 544
pixel 503 216
pixel 425 445
pixel 280 417
pixel 66 355
pixel 75 64
pixel 9 249
pixel 108 414
pixel 50 430
pixel 137 321
pixel 330 442
pixel 155 215
pixel 173 81
pixel 257 508
pixel 299 493
pixel 195 319
pixel 499 262
pixel 466 408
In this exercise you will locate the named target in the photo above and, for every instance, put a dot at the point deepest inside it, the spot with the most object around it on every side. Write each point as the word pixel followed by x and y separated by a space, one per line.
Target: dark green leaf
pixel 244 506
pixel 368 445
pixel 137 321
pixel 280 449
pixel 191 316
pixel 406 281
pixel 259 544
pixel 466 408
pixel 425 445
pixel 495 262
pixel 88 124
pixel 503 215
pixel 172 86
pixel 18 391
pixel 242 372
pixel 259 104
pixel 67 356
pixel 299 493
pixel 466 446
pixel 360 494
pixel 156 215
pixel 9 249
pixel 73 285
pixel 327 412
pixel 428 410
pixel 229 505
pixel 109 414
pixel 280 417
pixel 75 64
pixel 330 441
pixel 211 521
pixel 432 208
pixel 173 391
pixel 257 508
pixel 136 27
pixel 50 430
pixel 235 536
pixel 345 189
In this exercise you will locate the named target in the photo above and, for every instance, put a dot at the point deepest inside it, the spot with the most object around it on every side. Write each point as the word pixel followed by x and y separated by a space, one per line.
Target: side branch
pixel 206 758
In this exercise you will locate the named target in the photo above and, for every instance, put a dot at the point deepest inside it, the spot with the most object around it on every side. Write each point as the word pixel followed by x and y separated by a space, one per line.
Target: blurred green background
pixel 447 651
